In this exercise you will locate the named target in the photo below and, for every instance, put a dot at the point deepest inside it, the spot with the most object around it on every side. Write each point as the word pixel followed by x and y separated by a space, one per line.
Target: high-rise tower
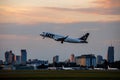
pixel 110 54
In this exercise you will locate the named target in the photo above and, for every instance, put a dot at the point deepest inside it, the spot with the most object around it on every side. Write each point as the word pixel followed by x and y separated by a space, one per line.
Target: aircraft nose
pixel 41 34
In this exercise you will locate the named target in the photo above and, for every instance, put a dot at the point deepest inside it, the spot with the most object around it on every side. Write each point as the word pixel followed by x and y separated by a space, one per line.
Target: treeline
pixel 105 65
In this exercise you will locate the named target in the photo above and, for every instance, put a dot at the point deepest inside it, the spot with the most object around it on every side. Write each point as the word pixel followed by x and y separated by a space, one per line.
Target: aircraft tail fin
pixel 84 37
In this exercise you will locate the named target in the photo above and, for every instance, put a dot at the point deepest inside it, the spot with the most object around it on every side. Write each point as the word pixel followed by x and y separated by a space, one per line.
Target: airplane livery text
pixel 49 35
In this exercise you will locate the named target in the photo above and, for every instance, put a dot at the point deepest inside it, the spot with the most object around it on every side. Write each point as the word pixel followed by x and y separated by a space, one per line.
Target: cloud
pixel 107 3
pixel 102 7
pixel 111 7
pixel 35 15
pixel 91 10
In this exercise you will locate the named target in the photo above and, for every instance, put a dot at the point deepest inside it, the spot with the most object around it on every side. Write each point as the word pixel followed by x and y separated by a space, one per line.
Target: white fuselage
pixel 112 68
pixel 72 40
pixel 68 39
pixel 67 68
pixel 98 69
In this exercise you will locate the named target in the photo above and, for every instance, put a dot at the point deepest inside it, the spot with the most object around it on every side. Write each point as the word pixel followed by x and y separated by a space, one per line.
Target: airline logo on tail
pixel 63 39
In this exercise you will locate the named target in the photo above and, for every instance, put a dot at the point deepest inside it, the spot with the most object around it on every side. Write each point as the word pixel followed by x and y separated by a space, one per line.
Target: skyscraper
pixel 110 54
pixel 23 56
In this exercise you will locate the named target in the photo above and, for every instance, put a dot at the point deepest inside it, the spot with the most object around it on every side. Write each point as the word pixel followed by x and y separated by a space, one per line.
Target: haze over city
pixel 21 22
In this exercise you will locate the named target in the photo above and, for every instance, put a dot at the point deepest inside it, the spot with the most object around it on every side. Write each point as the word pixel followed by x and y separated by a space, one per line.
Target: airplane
pixel 67 68
pixel 62 39
pixel 98 68
pixel 109 68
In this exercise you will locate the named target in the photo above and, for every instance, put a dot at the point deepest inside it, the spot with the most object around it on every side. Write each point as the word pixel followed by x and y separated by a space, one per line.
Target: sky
pixel 21 22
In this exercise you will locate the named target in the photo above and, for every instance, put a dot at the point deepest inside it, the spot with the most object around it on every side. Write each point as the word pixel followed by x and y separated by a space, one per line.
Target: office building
pixel 99 59
pixel 38 62
pixel 56 59
pixel 86 60
pixel 9 57
pixel 72 58
pixel 18 59
pixel 1 62
pixel 110 54
pixel 23 56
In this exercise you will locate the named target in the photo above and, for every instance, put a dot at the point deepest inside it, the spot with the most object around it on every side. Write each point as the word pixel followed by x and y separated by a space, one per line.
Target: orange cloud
pixel 107 3
pixel 33 15
pixel 48 3
pixel 90 10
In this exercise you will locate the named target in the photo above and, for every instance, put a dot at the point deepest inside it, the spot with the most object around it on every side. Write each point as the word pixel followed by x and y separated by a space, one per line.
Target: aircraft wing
pixel 61 39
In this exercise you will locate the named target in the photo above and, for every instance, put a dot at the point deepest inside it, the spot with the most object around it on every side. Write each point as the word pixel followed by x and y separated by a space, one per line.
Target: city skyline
pixel 21 22
pixel 23 57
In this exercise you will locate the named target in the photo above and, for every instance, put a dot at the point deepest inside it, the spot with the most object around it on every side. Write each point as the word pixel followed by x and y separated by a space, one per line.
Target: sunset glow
pixel 54 11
